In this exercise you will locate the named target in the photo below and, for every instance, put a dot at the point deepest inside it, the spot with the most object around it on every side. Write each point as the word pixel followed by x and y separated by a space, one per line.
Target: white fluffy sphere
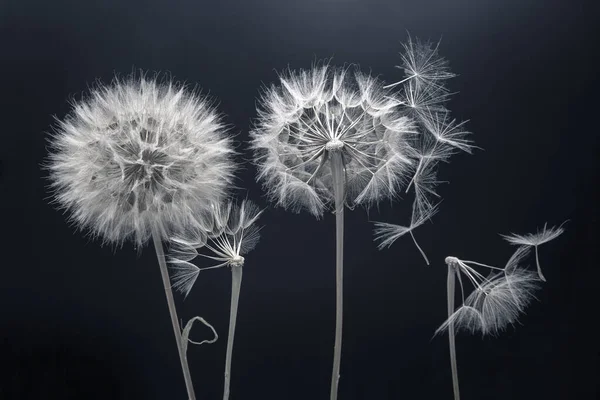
pixel 138 156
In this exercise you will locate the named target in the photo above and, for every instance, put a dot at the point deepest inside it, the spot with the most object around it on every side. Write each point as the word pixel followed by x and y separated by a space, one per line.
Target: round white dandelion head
pixel 138 156
pixel 316 112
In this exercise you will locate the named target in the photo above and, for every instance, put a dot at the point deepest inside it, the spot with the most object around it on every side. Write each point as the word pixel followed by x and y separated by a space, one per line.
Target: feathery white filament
pixel 534 240
pixel 231 233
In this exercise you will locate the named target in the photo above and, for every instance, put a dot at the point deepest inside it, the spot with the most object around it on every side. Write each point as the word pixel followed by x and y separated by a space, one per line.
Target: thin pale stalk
pixel 537 262
pixel 236 284
pixel 160 254
pixel 451 333
pixel 419 247
pixel 337 171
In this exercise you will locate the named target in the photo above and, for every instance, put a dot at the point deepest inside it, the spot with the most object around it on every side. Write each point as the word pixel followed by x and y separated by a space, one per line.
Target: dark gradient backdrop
pixel 78 321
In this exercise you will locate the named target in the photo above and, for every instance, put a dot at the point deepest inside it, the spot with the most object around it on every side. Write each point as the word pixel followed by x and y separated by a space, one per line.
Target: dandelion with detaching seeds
pixel 139 159
pixel 496 302
pixel 231 235
pixel 327 138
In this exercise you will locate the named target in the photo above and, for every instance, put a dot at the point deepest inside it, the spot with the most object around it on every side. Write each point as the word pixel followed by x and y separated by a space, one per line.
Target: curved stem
pixel 236 284
pixel 451 333
pixel 337 170
pixel 419 247
pixel 174 320
pixel 537 262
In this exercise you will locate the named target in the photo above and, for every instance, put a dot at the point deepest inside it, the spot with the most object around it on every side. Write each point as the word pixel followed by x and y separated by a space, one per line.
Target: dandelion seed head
pixel 535 239
pixel 312 113
pixel 139 155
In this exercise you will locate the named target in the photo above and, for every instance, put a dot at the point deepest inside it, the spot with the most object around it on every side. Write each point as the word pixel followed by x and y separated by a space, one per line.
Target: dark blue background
pixel 85 322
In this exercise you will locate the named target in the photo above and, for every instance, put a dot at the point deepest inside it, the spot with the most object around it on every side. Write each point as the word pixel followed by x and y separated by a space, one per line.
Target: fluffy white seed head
pixel 315 112
pixel 422 61
pixel 139 155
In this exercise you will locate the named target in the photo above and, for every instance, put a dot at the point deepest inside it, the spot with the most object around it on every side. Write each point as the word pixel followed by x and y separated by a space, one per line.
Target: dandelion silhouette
pixel 140 159
pixel 496 302
pixel 327 138
pixel 231 235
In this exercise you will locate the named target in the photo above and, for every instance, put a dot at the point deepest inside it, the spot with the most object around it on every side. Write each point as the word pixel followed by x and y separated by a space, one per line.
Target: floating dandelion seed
pixel 387 233
pixel 422 63
pixel 446 131
pixel 140 159
pixel 231 234
pixel 438 135
pixel 534 240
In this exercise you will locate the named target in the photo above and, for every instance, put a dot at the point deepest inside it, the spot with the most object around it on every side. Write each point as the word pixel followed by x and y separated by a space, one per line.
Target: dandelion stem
pixel 236 284
pixel 451 333
pixel 419 247
pixel 337 169
pixel 160 254
pixel 537 262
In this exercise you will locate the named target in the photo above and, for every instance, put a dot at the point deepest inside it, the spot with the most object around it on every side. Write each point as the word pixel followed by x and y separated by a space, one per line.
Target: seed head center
pixel 334 145
pixel 451 260
pixel 237 261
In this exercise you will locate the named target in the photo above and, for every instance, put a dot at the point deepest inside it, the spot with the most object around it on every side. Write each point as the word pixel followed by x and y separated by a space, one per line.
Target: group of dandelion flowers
pixel 143 159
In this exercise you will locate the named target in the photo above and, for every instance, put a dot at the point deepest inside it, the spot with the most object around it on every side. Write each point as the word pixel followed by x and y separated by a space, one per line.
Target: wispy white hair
pixel 137 156
pixel 497 300
pixel 312 112
pixel 497 304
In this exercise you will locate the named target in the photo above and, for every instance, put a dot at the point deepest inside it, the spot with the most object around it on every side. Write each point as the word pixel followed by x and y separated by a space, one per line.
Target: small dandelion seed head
pixel 138 156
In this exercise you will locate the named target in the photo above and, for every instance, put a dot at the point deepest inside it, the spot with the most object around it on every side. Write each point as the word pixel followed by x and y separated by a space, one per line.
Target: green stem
pixel 172 310
pixel 236 284
pixel 451 333
pixel 337 171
